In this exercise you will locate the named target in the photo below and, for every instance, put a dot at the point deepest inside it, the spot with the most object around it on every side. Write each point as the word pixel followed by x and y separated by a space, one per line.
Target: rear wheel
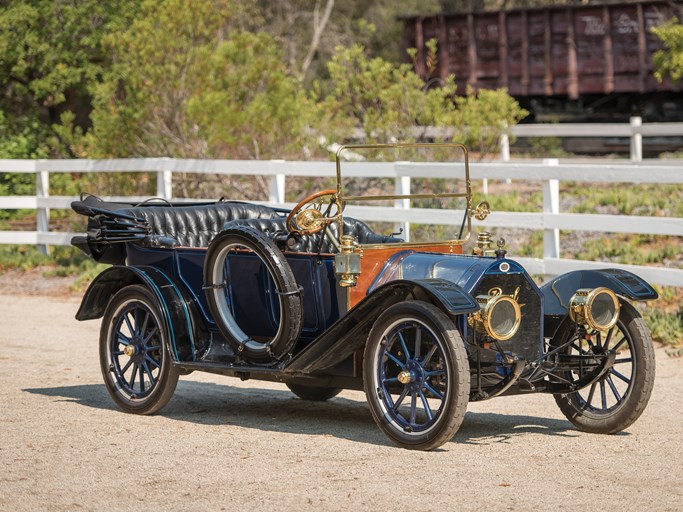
pixel 313 393
pixel 615 401
pixel 134 358
pixel 416 375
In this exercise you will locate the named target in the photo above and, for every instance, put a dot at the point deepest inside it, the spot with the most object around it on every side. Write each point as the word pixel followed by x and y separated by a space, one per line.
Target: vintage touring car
pixel 317 300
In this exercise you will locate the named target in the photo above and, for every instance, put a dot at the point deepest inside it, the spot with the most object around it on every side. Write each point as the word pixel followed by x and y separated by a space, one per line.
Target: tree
pixel 669 61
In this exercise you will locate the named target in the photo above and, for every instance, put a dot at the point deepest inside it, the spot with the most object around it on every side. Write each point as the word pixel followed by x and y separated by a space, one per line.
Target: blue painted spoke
pixel 130 327
pixel 625 379
pixel 434 373
pixel 401 364
pixel 405 347
pixel 152 360
pixel 118 352
pixel 122 339
pixel 136 320
pixel 148 372
pixel 603 395
pixel 624 360
pixel 392 380
pixel 433 391
pixel 418 342
pixel 429 355
pixel 142 381
pixel 152 348
pixel 413 407
pixel 425 404
pixel 401 397
pixel 618 345
pixel 590 395
pixel 152 333
pixel 123 370
pixel 144 324
pixel 613 388
pixel 131 382
pixel 605 345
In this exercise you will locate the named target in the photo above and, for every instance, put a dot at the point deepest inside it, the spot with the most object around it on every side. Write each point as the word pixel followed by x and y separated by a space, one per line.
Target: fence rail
pixel 549 174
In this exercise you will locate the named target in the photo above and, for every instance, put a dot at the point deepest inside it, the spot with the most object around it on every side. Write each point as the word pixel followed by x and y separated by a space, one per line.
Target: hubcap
pixel 404 377
pixel 129 350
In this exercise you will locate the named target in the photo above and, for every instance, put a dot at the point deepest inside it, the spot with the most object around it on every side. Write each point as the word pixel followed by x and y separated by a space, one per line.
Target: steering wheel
pixel 314 212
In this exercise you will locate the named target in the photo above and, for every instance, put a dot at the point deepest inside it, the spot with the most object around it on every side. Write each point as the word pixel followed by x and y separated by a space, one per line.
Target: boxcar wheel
pixel 416 375
pixel 313 393
pixel 614 402
pixel 134 358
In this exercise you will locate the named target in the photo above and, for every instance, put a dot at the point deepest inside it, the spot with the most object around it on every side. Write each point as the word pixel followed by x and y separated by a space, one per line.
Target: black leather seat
pixel 196 226
pixel 311 243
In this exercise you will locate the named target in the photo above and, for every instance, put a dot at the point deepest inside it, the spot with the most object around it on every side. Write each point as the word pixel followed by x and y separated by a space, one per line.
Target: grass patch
pixel 61 262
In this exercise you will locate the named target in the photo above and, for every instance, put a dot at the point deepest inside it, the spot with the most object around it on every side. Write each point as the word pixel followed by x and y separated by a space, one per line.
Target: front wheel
pixel 416 375
pixel 134 358
pixel 616 400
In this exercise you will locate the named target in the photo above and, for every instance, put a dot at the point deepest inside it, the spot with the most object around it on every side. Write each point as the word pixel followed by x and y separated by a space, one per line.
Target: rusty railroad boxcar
pixel 600 55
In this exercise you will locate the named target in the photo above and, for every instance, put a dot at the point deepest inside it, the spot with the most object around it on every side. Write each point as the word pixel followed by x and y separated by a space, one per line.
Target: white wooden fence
pixel 548 174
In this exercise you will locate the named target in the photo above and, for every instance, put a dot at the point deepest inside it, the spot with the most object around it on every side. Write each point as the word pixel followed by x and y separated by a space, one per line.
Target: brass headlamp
pixel 597 308
pixel 499 316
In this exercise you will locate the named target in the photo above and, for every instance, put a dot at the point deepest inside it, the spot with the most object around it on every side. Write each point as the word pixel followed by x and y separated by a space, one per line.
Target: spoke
pixel 623 360
pixel 405 347
pixel 149 373
pixel 392 380
pixel 118 352
pixel 433 391
pixel 434 373
pixel 618 345
pixel 136 320
pixel 144 324
pixel 413 407
pixel 619 375
pixel 429 356
pixel 152 360
pixel 590 395
pixel 425 404
pixel 401 397
pixel 418 342
pixel 142 380
pixel 603 395
pixel 122 338
pixel 123 370
pixel 401 364
pixel 131 382
pixel 152 348
pixel 608 338
pixel 152 333
pixel 130 327
pixel 613 388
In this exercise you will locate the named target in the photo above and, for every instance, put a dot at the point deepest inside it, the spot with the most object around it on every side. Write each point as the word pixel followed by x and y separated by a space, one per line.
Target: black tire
pixel 313 393
pixel 625 389
pixel 289 296
pixel 438 373
pixel 142 381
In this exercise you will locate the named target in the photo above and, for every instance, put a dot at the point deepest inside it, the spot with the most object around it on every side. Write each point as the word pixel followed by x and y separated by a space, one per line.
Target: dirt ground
pixel 223 444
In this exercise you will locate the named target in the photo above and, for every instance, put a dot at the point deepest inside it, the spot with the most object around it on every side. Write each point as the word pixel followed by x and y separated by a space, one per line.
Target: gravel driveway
pixel 223 444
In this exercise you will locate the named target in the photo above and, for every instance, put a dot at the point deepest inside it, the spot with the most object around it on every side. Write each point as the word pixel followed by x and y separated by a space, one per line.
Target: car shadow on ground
pixel 280 411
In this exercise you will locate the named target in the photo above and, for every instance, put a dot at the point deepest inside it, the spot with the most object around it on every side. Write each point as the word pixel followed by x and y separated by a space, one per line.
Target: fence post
pixel 403 188
pixel 42 213
pixel 636 139
pixel 165 184
pixel 276 189
pixel 551 205
pixel 505 147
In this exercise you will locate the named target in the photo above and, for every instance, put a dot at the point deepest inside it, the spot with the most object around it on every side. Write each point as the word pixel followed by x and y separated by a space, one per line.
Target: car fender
pixel 176 307
pixel 558 292
pixel 350 333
